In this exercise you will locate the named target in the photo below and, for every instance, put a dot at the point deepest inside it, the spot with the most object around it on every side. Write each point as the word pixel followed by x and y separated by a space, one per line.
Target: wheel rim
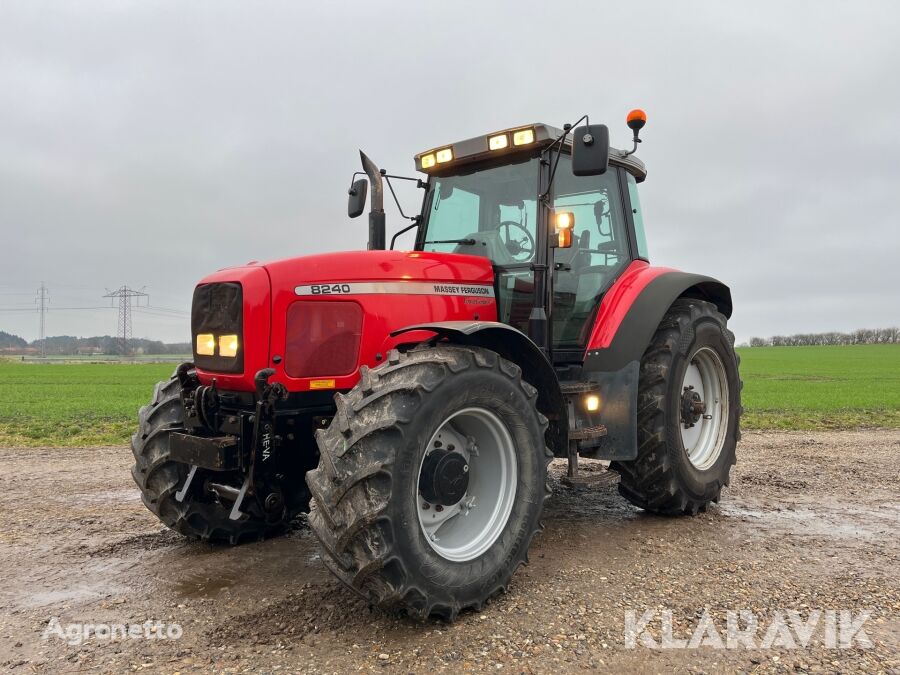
pixel 466 529
pixel 704 408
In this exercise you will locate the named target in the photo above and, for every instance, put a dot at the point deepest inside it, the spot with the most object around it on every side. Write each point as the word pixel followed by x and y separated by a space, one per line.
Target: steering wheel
pixel 520 249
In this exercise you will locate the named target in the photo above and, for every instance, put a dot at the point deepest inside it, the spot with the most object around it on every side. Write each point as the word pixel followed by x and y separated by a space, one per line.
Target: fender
pixel 515 346
pixel 628 317
pixel 632 309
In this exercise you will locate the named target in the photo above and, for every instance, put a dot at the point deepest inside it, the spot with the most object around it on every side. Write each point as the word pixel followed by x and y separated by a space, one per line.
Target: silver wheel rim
pixel 703 440
pixel 467 529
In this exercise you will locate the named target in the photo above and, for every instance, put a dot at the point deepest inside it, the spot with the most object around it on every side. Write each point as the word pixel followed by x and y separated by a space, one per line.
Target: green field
pixel 784 388
pixel 75 403
pixel 821 387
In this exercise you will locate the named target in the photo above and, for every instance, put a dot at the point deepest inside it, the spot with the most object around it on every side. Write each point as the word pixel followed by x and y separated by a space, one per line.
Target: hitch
pixel 264 437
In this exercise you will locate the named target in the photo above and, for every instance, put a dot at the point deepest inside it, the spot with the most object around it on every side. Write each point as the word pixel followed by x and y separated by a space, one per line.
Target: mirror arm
pixel 561 140
pixel 418 181
pixel 387 179
pixel 416 220
pixel 352 179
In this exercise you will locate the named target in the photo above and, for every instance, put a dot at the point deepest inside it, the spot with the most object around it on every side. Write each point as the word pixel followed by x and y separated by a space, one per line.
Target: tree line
pixel 67 345
pixel 863 336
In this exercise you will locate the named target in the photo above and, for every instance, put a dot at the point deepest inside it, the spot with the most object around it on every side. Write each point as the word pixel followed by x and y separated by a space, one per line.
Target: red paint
pixel 257 317
pixel 618 300
pixel 380 266
pixel 265 338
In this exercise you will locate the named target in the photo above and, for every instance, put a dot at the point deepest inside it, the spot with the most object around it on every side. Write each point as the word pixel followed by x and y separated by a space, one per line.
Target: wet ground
pixel 811 522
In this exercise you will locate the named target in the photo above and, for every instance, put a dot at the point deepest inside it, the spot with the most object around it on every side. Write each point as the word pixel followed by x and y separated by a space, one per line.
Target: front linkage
pixel 229 435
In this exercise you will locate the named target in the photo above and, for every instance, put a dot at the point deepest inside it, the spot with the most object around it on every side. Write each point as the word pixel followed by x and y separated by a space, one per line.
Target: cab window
pixel 638 217
pixel 600 249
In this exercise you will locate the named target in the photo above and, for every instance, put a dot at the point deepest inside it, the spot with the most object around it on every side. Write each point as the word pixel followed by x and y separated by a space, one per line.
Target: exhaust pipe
pixel 376 212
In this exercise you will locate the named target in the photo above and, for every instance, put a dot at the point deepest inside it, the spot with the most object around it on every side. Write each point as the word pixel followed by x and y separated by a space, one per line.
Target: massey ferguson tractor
pixel 411 400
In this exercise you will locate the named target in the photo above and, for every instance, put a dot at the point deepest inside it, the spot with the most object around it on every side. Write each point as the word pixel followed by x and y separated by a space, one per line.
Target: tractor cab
pixel 500 196
pixel 493 196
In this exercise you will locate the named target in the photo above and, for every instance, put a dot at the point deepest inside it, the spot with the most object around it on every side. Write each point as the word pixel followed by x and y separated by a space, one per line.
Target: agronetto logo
pixel 743 629
pixel 75 634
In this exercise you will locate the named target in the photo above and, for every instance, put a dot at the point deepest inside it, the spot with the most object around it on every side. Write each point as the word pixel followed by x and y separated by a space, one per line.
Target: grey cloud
pixel 151 143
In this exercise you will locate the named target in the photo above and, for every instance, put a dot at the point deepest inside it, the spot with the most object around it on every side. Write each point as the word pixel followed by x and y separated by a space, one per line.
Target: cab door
pixel 601 249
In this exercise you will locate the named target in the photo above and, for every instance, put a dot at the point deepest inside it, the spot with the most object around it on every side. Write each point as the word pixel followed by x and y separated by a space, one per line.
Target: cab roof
pixel 477 148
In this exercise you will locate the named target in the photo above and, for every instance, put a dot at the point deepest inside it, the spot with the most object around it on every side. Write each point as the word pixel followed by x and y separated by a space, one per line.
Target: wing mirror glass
pixel 356 203
pixel 590 150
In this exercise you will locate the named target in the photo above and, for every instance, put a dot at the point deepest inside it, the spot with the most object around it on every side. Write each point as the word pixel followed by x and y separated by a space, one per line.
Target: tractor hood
pixel 354 266
pixel 284 324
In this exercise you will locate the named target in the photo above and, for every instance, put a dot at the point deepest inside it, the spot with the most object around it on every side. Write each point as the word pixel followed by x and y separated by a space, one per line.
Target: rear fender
pixel 632 309
pixel 515 346
pixel 626 322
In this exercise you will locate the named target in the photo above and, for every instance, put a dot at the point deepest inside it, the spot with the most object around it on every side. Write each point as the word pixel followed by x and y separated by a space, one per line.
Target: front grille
pixel 218 308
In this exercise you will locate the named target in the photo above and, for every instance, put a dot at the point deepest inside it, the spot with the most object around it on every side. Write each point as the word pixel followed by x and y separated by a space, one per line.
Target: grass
pixel 80 404
pixel 837 387
pixel 73 404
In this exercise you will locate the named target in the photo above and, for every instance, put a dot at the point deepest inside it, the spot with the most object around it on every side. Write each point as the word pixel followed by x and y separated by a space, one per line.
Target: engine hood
pixel 394 289
pixel 379 266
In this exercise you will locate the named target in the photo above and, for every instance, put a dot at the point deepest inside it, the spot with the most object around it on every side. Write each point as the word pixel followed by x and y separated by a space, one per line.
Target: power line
pixel 123 325
pixel 164 312
pixel 162 315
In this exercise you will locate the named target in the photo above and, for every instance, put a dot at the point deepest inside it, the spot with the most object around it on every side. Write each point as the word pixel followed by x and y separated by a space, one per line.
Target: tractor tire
pixel 685 455
pixel 378 533
pixel 159 478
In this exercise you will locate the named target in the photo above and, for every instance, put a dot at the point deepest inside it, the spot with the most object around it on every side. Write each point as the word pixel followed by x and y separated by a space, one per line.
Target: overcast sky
pixel 151 143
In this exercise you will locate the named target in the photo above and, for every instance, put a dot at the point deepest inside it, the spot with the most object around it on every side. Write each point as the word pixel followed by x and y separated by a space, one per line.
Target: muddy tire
pixel 686 447
pixel 198 516
pixel 367 490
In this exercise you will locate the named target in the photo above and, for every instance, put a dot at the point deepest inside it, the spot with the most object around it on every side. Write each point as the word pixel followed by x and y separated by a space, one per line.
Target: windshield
pixel 490 212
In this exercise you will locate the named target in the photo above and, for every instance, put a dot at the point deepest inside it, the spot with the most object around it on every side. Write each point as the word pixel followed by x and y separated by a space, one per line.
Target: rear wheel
pixel 200 514
pixel 688 413
pixel 432 480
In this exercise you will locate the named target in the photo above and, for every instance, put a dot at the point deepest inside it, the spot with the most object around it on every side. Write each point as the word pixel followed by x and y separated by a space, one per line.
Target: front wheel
pixel 689 409
pixel 432 480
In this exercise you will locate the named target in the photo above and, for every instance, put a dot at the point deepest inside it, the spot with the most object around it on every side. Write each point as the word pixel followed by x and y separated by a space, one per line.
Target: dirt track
pixel 811 521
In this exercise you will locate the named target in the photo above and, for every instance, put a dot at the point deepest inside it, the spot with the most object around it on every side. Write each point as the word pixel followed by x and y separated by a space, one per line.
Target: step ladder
pixel 574 391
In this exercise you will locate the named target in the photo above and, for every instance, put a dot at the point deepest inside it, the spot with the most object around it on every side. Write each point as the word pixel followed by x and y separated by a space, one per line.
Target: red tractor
pixel 411 401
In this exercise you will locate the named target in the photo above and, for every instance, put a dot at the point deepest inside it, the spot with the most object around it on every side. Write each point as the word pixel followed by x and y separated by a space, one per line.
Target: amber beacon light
pixel 636 120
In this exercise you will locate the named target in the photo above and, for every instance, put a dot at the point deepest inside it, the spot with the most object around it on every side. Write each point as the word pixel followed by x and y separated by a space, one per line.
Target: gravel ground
pixel 811 522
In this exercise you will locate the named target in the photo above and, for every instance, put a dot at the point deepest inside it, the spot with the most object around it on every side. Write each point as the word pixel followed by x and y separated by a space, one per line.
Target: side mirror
pixel 356 203
pixel 590 150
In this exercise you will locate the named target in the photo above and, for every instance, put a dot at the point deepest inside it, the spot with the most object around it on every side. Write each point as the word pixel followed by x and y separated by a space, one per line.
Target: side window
pixel 638 215
pixel 599 222
pixel 600 249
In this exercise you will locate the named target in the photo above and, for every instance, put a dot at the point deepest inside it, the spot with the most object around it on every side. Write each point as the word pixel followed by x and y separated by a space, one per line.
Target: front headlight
pixel 228 345
pixel 206 344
